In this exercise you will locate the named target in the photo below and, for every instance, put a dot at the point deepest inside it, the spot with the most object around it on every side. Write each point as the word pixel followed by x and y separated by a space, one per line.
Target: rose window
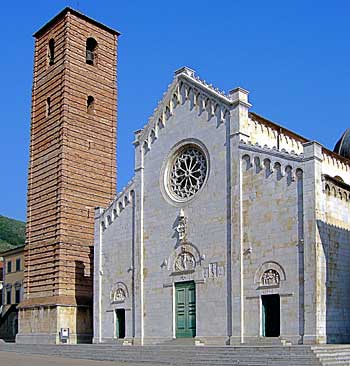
pixel 187 173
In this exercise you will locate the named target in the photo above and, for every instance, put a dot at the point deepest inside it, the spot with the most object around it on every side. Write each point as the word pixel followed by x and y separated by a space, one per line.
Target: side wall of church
pixel 271 197
pixel 334 231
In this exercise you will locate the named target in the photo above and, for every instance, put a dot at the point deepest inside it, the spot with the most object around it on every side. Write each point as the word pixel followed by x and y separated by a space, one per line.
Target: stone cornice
pixel 334 182
pixel 54 301
pixel 206 88
pixel 271 151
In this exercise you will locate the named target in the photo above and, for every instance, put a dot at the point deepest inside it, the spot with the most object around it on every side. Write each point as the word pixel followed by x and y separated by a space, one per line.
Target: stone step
pixel 168 352
pixel 198 350
pixel 333 354
pixel 188 355
pixel 183 355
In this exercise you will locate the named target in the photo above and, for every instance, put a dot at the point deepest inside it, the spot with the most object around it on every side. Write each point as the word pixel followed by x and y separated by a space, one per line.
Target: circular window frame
pixel 174 152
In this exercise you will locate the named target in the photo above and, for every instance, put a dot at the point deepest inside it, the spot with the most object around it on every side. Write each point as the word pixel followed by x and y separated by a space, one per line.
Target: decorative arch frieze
pixel 200 95
pixel 278 169
pixel 334 161
pixel 289 174
pixel 257 163
pixel 125 197
pixel 333 186
pixel 269 274
pixel 270 167
pixel 267 166
pixel 248 163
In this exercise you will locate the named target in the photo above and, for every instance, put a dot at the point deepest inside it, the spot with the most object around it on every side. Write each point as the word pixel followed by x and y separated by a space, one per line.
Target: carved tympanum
pixel 185 261
pixel 270 278
pixel 119 295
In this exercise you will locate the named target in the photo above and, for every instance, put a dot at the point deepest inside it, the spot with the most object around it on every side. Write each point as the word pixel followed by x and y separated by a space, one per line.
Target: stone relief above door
pixel 269 274
pixel 186 257
pixel 119 292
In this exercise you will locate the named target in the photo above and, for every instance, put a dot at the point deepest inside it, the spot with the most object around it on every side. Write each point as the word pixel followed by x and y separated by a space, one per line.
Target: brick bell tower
pixel 72 169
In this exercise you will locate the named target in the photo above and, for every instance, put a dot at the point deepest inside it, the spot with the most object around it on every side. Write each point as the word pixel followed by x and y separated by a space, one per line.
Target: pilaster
pixel 237 131
pixel 138 254
pixel 314 283
pixel 97 290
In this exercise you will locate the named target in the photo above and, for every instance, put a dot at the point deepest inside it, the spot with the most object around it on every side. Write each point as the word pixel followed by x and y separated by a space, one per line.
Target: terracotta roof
pixel 11 248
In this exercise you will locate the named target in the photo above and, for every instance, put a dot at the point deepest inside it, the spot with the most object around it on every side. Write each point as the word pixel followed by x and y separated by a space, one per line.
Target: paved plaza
pixel 16 359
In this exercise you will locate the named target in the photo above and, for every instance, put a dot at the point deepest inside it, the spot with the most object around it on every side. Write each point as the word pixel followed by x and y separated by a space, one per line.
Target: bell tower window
pixel 91 51
pixel 48 106
pixel 51 51
pixel 90 104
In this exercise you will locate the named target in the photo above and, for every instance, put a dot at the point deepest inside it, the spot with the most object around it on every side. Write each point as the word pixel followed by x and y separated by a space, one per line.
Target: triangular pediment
pixel 187 87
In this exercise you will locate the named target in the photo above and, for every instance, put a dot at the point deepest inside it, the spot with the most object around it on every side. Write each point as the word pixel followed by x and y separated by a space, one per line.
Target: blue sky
pixel 293 57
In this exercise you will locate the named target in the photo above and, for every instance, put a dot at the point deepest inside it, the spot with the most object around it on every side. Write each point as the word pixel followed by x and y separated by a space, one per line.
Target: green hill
pixel 12 233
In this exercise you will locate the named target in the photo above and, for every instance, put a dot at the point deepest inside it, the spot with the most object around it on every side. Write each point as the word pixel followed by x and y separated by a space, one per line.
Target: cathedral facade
pixel 233 230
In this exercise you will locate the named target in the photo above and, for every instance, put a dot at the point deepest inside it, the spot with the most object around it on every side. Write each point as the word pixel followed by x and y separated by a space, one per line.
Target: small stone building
pixel 233 230
pixel 12 291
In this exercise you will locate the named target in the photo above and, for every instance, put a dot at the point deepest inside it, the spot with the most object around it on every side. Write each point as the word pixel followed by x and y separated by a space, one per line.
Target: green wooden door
pixel 185 298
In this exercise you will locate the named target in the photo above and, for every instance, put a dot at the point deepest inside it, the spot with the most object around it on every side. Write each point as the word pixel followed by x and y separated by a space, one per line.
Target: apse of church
pixel 233 230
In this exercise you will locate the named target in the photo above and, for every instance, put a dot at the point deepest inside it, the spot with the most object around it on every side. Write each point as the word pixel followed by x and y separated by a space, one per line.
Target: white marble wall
pixel 260 208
